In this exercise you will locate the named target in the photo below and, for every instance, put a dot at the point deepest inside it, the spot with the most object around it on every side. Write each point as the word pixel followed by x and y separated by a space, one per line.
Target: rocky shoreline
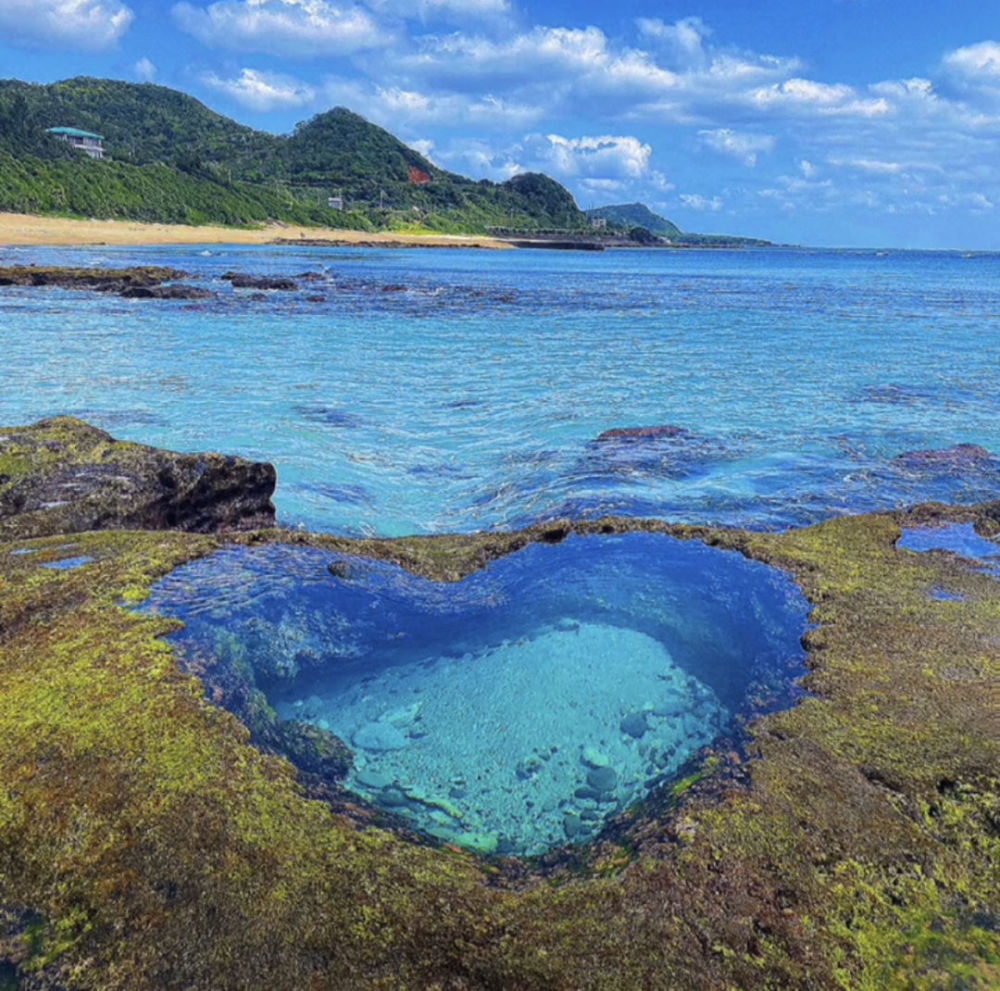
pixel 147 843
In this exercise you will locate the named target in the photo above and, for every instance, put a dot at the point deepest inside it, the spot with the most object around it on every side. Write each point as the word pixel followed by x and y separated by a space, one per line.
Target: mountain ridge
pixel 174 160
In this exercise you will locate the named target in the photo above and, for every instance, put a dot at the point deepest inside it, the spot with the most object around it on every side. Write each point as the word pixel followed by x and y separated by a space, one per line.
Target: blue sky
pixel 824 122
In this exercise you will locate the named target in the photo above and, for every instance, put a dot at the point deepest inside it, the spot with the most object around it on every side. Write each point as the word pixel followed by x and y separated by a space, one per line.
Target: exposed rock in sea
pixel 243 280
pixel 959 457
pixel 167 292
pixel 660 450
pixel 142 282
pixel 639 434
pixel 65 476
pixel 100 279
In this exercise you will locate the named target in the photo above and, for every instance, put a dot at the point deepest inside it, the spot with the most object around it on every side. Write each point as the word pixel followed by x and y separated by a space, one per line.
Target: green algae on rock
pixel 145 843
pixel 65 476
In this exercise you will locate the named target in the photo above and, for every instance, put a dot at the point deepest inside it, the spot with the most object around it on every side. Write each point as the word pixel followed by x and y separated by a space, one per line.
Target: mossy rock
pixel 64 476
pixel 150 844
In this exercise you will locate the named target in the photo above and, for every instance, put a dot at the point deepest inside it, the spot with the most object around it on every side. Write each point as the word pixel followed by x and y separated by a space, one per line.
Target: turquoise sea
pixel 414 391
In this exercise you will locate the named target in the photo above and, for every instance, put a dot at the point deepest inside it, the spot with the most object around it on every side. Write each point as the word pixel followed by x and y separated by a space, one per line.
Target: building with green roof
pixel 90 144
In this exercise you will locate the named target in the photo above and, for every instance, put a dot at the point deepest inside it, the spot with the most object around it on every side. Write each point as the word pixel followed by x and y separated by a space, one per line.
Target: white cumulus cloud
pixel 978 63
pixel 292 28
pixel 695 201
pixel 683 40
pixel 871 166
pixel 457 9
pixel 743 147
pixel 263 91
pixel 807 96
pixel 605 157
pixel 88 25
pixel 144 70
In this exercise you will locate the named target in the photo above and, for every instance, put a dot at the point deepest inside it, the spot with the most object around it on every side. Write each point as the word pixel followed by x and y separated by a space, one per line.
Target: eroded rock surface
pixel 139 282
pixel 64 476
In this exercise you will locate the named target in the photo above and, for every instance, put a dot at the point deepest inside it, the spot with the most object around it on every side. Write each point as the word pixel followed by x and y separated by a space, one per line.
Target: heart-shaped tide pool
pixel 521 707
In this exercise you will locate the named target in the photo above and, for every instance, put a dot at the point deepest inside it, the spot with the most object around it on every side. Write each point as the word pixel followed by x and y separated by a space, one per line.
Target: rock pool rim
pixel 835 826
pixel 322 760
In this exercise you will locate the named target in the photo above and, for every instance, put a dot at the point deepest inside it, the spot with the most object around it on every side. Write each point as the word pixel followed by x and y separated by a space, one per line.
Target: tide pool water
pixel 413 391
pixel 521 707
pixel 958 538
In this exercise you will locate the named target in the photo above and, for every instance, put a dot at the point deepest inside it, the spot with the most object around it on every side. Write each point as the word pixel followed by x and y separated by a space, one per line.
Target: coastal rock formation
pixel 146 843
pixel 65 476
pixel 142 282
pixel 99 279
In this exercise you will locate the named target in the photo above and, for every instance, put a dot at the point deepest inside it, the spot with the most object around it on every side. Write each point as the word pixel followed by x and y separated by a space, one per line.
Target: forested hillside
pixel 172 159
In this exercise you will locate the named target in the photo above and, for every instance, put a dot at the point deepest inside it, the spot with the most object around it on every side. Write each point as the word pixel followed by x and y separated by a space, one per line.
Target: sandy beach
pixel 24 229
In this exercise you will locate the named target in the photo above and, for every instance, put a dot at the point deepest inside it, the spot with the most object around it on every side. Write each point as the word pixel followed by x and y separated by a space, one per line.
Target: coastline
pixel 19 230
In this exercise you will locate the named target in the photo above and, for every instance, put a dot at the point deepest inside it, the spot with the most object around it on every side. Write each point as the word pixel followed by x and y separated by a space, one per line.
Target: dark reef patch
pixel 899 394
pixel 353 495
pixel 244 280
pixel 664 451
pixel 329 416
pixel 958 458
pixel 144 282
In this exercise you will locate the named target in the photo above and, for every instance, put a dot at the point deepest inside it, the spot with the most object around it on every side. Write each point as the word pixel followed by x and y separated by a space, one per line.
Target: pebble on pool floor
pixel 525 744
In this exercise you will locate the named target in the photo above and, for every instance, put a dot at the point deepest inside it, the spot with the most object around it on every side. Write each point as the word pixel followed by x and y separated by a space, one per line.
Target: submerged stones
pixel 330 416
pixel 380 737
pixel 602 779
pixel 634 724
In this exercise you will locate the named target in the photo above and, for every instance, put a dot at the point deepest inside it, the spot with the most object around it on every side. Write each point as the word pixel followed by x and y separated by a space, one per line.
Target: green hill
pixel 172 159
pixel 630 215
pixel 636 215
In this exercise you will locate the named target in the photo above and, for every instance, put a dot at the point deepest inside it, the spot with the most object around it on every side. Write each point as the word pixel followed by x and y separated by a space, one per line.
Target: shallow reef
pixel 853 841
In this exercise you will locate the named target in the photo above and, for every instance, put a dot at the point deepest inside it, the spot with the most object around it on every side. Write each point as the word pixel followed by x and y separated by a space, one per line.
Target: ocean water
pixel 515 710
pixel 414 391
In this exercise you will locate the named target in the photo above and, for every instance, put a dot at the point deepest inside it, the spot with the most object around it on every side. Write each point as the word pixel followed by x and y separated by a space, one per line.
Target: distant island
pixel 106 149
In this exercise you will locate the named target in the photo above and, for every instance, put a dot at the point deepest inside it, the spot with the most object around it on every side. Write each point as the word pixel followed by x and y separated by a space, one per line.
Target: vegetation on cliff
pixel 174 160
pixel 144 843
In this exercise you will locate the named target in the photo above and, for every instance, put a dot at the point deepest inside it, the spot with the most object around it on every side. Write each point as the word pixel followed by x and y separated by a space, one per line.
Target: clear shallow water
pixel 520 707
pixel 959 538
pixel 460 390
